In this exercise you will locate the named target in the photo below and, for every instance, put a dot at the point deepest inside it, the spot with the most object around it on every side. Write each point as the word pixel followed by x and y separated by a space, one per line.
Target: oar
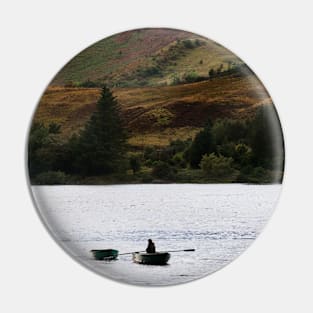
pixel 187 250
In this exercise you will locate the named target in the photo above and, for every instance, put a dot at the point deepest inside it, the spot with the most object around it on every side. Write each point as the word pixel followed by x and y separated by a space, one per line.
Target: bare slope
pixel 144 57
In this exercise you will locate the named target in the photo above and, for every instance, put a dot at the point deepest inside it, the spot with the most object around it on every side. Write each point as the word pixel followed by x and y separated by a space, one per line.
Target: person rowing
pixel 151 246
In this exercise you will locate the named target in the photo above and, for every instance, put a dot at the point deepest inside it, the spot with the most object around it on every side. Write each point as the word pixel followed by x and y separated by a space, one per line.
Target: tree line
pixel 226 150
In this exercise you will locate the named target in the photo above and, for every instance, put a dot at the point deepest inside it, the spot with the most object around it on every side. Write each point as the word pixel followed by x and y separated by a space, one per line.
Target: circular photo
pixel 155 157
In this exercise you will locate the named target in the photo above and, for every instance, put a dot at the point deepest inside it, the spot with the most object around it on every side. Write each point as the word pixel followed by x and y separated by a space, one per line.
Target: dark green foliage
pixel 189 44
pixel 180 145
pixel 162 170
pixel 187 175
pixel 51 178
pixel 187 78
pixel 202 144
pixel 146 178
pixel 258 175
pixel 88 84
pixel 242 154
pixel 41 144
pixel 65 155
pixel 173 154
pixel 198 42
pixel 38 137
pixel 69 84
pixel 102 143
pixel 228 130
pixel 54 128
pixel 145 72
pixel 211 73
pixel 220 69
pixel 85 84
pixel 166 154
pixel 214 165
pixel 175 79
pixel 255 147
pixel 150 155
pixel 191 77
pixel 240 70
pixel 135 163
pixel 237 70
pixel 225 151
pixel 266 140
pixel 178 160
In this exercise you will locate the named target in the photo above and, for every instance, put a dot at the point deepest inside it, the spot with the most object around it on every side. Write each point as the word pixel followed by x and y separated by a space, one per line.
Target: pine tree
pixel 101 145
pixel 202 144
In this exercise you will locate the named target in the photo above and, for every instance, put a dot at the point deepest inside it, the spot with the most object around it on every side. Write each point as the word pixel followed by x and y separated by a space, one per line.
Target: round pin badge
pixel 155 157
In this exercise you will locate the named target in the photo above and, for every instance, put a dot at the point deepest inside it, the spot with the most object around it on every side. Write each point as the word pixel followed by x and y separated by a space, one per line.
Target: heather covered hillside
pixel 155 105
pixel 145 57
pixel 161 113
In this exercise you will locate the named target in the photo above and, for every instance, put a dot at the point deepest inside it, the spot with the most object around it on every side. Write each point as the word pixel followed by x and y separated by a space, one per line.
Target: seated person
pixel 151 247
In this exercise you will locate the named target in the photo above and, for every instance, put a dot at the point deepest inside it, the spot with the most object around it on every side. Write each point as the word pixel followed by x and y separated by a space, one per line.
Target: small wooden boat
pixel 105 254
pixel 158 258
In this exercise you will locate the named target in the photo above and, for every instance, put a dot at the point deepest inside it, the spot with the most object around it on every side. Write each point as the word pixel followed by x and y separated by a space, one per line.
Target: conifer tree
pixel 202 144
pixel 101 145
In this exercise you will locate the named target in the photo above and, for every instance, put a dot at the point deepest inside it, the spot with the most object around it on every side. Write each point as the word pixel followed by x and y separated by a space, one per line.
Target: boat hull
pixel 105 254
pixel 158 258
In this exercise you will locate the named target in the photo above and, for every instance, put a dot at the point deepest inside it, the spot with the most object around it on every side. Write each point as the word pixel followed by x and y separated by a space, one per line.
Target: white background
pixel 274 38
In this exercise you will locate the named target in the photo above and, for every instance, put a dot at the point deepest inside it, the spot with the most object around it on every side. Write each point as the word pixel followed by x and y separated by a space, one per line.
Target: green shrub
pixel 178 160
pixel 88 84
pixel 51 178
pixel 146 178
pixel 149 71
pixel 243 154
pixel 180 145
pixel 226 130
pixel 175 80
pixel 213 165
pixel 259 172
pixel 211 73
pixel 41 148
pixel 203 143
pixel 190 176
pixel 227 149
pixel 163 170
pixel 191 77
pixel 135 163
pixel 162 116
pixel 150 155
pixel 69 84
pixel 188 44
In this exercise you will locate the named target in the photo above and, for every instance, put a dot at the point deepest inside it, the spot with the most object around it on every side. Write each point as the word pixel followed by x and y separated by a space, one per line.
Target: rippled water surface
pixel 219 221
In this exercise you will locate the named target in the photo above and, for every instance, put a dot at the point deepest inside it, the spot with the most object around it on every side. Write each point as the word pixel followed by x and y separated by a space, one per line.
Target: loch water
pixel 218 220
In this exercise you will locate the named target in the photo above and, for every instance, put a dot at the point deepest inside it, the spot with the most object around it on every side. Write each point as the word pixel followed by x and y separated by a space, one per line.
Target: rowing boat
pixel 158 258
pixel 105 254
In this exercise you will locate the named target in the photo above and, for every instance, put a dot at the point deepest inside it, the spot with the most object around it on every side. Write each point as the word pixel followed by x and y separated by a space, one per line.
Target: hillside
pixel 168 85
pixel 156 115
pixel 144 57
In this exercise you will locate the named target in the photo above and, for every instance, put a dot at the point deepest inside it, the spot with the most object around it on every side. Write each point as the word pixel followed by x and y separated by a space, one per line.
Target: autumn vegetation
pixel 155 105
pixel 226 150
